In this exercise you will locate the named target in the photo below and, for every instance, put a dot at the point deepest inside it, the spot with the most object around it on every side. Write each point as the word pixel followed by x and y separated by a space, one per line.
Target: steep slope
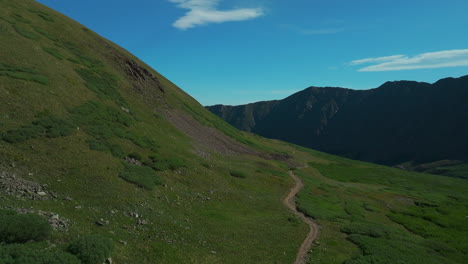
pixel 115 156
pixel 395 123
pixel 92 135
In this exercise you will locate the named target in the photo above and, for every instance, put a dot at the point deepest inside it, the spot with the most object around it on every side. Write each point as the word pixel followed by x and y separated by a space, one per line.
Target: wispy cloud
pixel 378 60
pixel 431 60
pixel 202 12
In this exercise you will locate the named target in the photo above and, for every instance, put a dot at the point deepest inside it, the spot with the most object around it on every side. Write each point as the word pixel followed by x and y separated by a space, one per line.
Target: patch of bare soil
pixel 207 137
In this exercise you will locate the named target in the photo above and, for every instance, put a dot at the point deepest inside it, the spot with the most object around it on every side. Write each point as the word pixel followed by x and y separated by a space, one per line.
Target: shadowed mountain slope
pixel 398 122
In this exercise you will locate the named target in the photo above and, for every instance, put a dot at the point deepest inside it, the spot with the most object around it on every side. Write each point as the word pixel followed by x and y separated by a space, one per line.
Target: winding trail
pixel 289 202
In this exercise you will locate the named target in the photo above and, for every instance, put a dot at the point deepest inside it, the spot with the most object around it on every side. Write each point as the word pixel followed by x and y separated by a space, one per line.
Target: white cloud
pixel 431 60
pixel 377 60
pixel 203 12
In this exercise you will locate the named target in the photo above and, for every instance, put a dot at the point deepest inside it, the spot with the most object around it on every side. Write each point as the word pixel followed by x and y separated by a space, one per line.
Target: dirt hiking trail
pixel 289 202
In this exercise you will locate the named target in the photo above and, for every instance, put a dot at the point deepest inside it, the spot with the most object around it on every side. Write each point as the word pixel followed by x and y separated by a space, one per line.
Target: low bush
pixel 167 163
pixel 26 33
pixel 46 16
pixel 22 73
pixel 101 121
pixel 45 34
pixel 101 82
pixel 92 249
pixel 368 229
pixel 21 19
pixel 21 254
pixel 142 176
pixel 54 52
pixel 238 174
pixel 135 155
pixel 50 127
pixel 16 228
pixel 103 145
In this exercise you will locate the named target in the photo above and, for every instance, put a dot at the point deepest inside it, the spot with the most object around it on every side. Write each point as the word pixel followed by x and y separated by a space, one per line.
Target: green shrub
pixel 22 73
pixel 142 176
pixel 135 155
pixel 369 229
pixel 141 141
pixel 21 254
pixel 105 146
pixel 45 34
pixel 15 228
pixel 369 259
pixel 101 121
pixel 238 174
pixel 92 63
pixel 26 33
pixel 74 60
pixel 102 83
pixel 8 20
pixel 50 127
pixel 46 16
pixel 162 164
pixel 54 52
pixel 21 19
pixel 92 249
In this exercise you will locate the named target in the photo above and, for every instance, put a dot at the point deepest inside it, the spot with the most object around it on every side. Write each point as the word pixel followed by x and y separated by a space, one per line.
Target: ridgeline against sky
pixel 240 51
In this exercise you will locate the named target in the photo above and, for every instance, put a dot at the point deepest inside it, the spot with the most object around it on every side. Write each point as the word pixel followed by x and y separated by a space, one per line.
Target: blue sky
pixel 241 51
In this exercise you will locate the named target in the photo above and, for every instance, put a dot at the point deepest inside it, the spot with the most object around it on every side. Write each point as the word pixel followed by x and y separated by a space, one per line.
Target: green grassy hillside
pixel 102 156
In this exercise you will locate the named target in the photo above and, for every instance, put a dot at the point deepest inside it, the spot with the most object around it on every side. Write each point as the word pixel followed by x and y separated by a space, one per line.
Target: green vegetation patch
pixel 21 254
pixel 46 16
pixel 16 228
pixel 21 19
pixel 100 120
pixel 389 214
pixel 54 52
pixel 102 83
pixel 92 249
pixel 26 33
pixel 22 73
pixel 376 250
pixel 164 163
pixel 142 176
pixel 92 63
pixel 104 122
pixel 8 20
pixel 105 146
pixel 45 34
pixel 51 127
pixel 238 174
pixel 375 230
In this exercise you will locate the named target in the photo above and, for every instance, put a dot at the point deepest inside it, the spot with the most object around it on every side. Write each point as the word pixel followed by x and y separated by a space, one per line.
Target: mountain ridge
pixel 344 121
